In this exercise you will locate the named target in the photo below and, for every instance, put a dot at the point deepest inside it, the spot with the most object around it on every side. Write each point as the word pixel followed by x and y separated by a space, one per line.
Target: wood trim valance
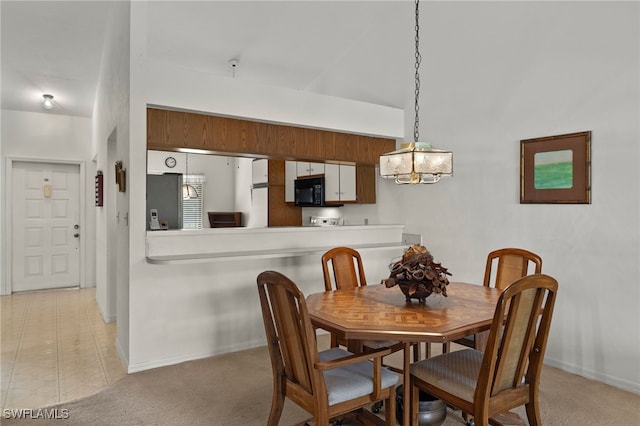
pixel 169 130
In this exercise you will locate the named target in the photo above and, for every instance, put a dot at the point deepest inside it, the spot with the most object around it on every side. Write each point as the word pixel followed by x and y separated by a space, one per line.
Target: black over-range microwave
pixel 309 192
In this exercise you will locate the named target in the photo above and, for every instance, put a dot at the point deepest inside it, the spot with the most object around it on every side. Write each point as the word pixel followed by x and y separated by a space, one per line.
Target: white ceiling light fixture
pixel 416 162
pixel 47 101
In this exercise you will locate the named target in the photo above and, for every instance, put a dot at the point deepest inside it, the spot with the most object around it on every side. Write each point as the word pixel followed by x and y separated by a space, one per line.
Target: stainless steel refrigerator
pixel 164 193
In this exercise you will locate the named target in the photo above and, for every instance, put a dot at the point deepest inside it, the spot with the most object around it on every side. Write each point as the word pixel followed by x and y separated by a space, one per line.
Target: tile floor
pixel 54 348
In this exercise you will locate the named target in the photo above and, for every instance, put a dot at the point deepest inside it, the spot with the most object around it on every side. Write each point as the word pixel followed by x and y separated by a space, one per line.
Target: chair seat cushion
pixel 352 381
pixel 454 372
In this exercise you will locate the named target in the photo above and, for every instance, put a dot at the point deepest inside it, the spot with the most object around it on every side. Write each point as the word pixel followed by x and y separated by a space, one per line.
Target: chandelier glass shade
pixel 416 162
pixel 188 191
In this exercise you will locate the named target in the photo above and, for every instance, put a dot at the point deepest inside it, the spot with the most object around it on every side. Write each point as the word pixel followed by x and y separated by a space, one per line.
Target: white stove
pixel 324 221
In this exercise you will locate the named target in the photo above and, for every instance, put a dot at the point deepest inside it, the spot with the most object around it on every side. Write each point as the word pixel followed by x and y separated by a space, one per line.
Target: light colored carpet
pixel 235 389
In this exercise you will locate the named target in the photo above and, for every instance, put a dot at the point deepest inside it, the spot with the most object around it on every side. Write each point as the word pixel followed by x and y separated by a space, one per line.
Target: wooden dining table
pixel 375 312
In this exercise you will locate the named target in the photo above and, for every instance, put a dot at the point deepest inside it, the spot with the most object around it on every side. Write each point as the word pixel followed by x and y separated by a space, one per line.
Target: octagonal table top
pixel 380 313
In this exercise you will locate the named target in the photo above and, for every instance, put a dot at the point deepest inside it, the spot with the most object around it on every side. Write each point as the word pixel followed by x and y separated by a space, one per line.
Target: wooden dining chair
pixel 327 384
pixel 507 374
pixel 502 268
pixel 342 268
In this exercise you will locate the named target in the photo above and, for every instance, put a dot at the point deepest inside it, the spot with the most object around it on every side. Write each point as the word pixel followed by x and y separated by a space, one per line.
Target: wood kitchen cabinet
pixel 169 130
pixel 366 176
pixel 357 183
pixel 281 213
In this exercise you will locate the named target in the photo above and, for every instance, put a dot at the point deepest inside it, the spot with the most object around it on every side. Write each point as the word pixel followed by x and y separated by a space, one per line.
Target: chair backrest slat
pixel 511 264
pixel 298 374
pixel 342 268
pixel 516 342
pixel 518 335
pixel 291 341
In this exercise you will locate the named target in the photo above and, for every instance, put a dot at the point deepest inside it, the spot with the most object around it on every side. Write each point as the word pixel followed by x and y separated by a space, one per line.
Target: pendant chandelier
pixel 416 162
pixel 188 191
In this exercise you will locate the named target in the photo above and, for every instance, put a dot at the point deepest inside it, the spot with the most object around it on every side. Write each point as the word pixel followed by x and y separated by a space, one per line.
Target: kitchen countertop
pixel 262 254
pixel 212 244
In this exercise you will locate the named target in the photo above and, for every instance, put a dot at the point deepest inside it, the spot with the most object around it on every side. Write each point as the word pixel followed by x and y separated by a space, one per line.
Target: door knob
pixel 76 226
pixel 76 235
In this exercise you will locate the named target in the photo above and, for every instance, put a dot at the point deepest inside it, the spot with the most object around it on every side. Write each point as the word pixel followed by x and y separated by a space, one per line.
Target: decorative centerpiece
pixel 418 275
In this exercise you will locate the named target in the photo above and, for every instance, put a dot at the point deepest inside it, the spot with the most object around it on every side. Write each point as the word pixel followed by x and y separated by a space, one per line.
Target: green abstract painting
pixel 553 169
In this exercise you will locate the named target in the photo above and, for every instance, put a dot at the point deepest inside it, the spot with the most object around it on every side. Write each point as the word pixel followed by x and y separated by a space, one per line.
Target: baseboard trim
pixel 106 318
pixel 123 357
pixel 617 382
pixel 148 365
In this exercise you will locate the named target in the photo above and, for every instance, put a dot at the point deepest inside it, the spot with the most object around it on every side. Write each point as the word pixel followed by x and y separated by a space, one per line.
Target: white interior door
pixel 45 225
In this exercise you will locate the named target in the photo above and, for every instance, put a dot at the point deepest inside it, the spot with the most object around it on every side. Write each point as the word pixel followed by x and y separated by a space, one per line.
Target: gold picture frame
pixel 556 169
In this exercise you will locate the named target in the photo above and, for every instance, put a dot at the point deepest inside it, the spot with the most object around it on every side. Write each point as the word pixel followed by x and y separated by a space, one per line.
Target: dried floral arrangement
pixel 418 275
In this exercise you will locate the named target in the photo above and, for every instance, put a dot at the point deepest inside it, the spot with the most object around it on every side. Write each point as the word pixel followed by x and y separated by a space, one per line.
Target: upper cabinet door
pixel 331 182
pixel 290 175
pixel 308 169
pixel 348 183
pixel 316 168
pixel 340 183
pixel 260 171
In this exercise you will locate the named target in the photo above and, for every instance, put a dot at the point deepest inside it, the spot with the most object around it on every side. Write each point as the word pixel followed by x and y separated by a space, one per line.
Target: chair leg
pixel 533 412
pixel 322 418
pixel 390 410
pixel 446 347
pixel 277 403
pixel 479 421
pixel 468 418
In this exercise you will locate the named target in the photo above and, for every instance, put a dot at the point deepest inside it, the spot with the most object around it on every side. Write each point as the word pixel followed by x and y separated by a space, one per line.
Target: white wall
pixel 170 85
pixel 54 137
pixel 111 122
pixel 493 73
pixel 219 187
pixel 496 73
pixel 174 86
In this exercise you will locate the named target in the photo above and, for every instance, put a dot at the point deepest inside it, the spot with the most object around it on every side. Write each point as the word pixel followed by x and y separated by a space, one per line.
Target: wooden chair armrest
pixel 353 359
pixel 376 356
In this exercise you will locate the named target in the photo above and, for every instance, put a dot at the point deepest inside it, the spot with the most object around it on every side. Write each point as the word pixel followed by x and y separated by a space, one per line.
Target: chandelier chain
pixel 416 132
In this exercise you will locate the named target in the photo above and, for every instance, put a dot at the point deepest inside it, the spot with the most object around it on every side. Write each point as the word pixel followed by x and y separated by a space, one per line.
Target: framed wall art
pixel 556 169
pixel 121 177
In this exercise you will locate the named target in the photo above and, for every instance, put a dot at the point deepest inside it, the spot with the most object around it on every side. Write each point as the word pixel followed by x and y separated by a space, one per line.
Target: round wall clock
pixel 170 162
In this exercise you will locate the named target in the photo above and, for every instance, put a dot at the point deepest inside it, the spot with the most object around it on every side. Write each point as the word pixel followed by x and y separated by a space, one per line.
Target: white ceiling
pixel 353 49
pixel 51 47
